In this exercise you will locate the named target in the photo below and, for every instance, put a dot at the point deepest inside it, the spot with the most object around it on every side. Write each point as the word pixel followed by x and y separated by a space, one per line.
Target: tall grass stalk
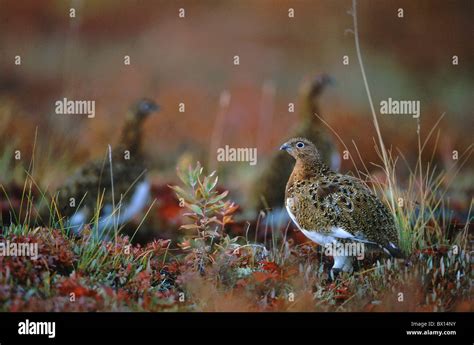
pixel 422 222
pixel 372 108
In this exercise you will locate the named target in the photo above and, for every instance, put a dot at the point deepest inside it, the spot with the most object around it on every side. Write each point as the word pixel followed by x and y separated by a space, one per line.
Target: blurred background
pixel 190 60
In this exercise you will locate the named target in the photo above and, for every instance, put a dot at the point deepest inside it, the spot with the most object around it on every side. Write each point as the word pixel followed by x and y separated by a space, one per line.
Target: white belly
pixel 122 214
pixel 320 237
pixel 126 211
pixel 77 221
pixel 312 235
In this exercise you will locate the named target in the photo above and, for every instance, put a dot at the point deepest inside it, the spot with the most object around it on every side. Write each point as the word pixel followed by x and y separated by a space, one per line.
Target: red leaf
pixel 270 266
pixel 260 277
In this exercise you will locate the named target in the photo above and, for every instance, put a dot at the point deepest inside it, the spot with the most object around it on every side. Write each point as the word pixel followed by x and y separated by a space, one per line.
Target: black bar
pixel 238 328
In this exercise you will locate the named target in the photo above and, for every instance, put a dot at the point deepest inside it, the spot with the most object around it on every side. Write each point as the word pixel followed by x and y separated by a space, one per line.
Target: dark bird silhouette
pixel 116 193
pixel 269 189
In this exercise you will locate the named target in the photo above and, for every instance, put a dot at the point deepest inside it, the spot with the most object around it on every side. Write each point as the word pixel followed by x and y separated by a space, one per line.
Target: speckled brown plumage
pixel 93 180
pixel 328 206
pixel 268 191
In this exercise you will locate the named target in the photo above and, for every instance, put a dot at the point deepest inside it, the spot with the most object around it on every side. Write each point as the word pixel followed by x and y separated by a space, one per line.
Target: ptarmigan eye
pixel 300 144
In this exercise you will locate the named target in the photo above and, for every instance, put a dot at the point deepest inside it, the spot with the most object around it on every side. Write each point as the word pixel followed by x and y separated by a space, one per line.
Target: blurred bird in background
pixel 269 188
pixel 115 188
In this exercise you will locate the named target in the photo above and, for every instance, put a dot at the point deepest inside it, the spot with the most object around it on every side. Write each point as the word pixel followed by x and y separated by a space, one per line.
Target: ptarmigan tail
pixel 393 250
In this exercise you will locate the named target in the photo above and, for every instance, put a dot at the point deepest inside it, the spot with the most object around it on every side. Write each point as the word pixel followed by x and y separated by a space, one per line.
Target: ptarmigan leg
pixel 341 264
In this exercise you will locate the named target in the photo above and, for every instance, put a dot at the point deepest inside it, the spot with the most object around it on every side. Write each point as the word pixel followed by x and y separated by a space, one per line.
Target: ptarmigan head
pixel 143 108
pixel 306 154
pixel 310 91
pixel 313 86
pixel 301 148
pixel 132 129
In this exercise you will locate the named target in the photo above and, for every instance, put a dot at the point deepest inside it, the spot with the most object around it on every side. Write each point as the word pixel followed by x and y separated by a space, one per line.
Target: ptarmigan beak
pixel 151 108
pixel 146 107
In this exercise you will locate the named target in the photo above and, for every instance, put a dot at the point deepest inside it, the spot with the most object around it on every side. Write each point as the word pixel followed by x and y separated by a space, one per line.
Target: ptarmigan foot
pixel 334 274
pixel 341 264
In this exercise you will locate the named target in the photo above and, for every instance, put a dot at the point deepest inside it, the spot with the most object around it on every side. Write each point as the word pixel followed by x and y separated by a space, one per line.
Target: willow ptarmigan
pixel 90 187
pixel 269 189
pixel 331 208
